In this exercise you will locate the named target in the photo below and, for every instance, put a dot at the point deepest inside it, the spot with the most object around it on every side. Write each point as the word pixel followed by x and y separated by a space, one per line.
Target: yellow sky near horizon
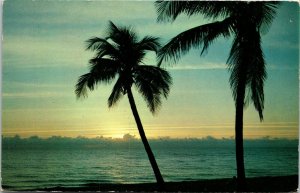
pixel 253 131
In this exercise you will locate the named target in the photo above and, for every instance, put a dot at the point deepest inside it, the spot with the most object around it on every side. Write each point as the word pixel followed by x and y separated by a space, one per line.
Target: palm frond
pixel 112 29
pixel 238 64
pixel 94 43
pixel 211 9
pixel 84 81
pixel 223 28
pixel 122 36
pixel 194 38
pixel 113 32
pixel 104 69
pixel 170 10
pixel 149 43
pixel 156 76
pixel 140 48
pixel 152 82
pixel 265 13
pixel 247 66
pixel 116 93
pixel 101 70
pixel 102 47
pixel 257 76
pixel 150 93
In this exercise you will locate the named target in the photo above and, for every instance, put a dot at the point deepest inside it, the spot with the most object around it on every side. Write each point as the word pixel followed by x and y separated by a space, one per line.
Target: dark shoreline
pixel 256 184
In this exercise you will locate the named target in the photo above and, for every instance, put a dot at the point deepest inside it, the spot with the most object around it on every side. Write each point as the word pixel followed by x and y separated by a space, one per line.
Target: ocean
pixel 35 163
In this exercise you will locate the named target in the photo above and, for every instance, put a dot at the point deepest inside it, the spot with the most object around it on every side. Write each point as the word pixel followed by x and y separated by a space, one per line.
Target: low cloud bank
pixel 130 141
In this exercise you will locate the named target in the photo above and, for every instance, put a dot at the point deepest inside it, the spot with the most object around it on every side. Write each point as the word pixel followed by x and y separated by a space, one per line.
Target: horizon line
pixel 128 136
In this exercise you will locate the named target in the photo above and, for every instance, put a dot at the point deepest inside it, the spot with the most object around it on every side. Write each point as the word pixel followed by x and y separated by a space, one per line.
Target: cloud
pixel 282 67
pixel 34 95
pixel 32 85
pixel 206 66
pixel 277 44
pixel 11 131
pixel 272 125
pixel 37 52
pixel 127 137
pixel 59 12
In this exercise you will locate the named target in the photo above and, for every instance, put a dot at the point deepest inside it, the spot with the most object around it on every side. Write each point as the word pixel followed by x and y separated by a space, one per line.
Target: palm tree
pixel 245 21
pixel 120 55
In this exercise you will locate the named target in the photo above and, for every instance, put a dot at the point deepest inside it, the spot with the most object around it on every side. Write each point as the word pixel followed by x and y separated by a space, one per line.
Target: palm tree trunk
pixel 239 146
pixel 152 160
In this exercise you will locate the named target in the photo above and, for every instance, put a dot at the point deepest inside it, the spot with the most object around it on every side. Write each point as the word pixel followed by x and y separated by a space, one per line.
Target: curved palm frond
pixel 94 43
pixel 247 66
pixel 102 47
pixel 101 70
pixel 269 13
pixel 156 76
pixel 104 69
pixel 149 93
pixel 116 93
pixel 263 13
pixel 122 36
pixel 114 33
pixel 152 82
pixel 212 9
pixel 84 81
pixel 139 49
pixel 149 43
pixel 238 64
pixel 193 38
pixel 170 10
pixel 257 76
pixel 112 29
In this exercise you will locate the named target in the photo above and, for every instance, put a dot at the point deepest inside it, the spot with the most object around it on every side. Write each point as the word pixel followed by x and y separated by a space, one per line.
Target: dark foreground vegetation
pixel 257 184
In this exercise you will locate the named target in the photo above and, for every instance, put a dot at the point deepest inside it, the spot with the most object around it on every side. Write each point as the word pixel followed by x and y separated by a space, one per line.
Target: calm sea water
pixel 35 163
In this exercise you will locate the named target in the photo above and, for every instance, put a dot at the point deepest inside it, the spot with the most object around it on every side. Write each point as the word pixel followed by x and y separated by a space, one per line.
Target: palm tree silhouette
pixel 244 21
pixel 120 55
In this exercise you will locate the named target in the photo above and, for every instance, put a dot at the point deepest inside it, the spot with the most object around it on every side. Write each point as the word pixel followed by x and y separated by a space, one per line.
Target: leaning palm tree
pixel 120 55
pixel 244 21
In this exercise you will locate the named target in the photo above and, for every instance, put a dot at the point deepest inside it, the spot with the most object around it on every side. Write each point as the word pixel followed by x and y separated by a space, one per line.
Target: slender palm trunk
pixel 152 160
pixel 239 146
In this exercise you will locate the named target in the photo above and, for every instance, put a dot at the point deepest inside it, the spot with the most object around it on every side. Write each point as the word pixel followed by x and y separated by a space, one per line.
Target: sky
pixel 44 54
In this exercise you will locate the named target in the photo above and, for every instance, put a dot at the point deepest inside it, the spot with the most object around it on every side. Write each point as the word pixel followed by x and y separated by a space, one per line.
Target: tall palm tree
pixel 244 21
pixel 120 55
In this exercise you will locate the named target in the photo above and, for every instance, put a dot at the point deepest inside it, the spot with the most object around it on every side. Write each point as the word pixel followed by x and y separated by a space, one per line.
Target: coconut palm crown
pixel 244 21
pixel 120 55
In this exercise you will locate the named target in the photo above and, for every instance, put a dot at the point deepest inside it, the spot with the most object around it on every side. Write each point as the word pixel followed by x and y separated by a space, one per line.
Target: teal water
pixel 37 164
